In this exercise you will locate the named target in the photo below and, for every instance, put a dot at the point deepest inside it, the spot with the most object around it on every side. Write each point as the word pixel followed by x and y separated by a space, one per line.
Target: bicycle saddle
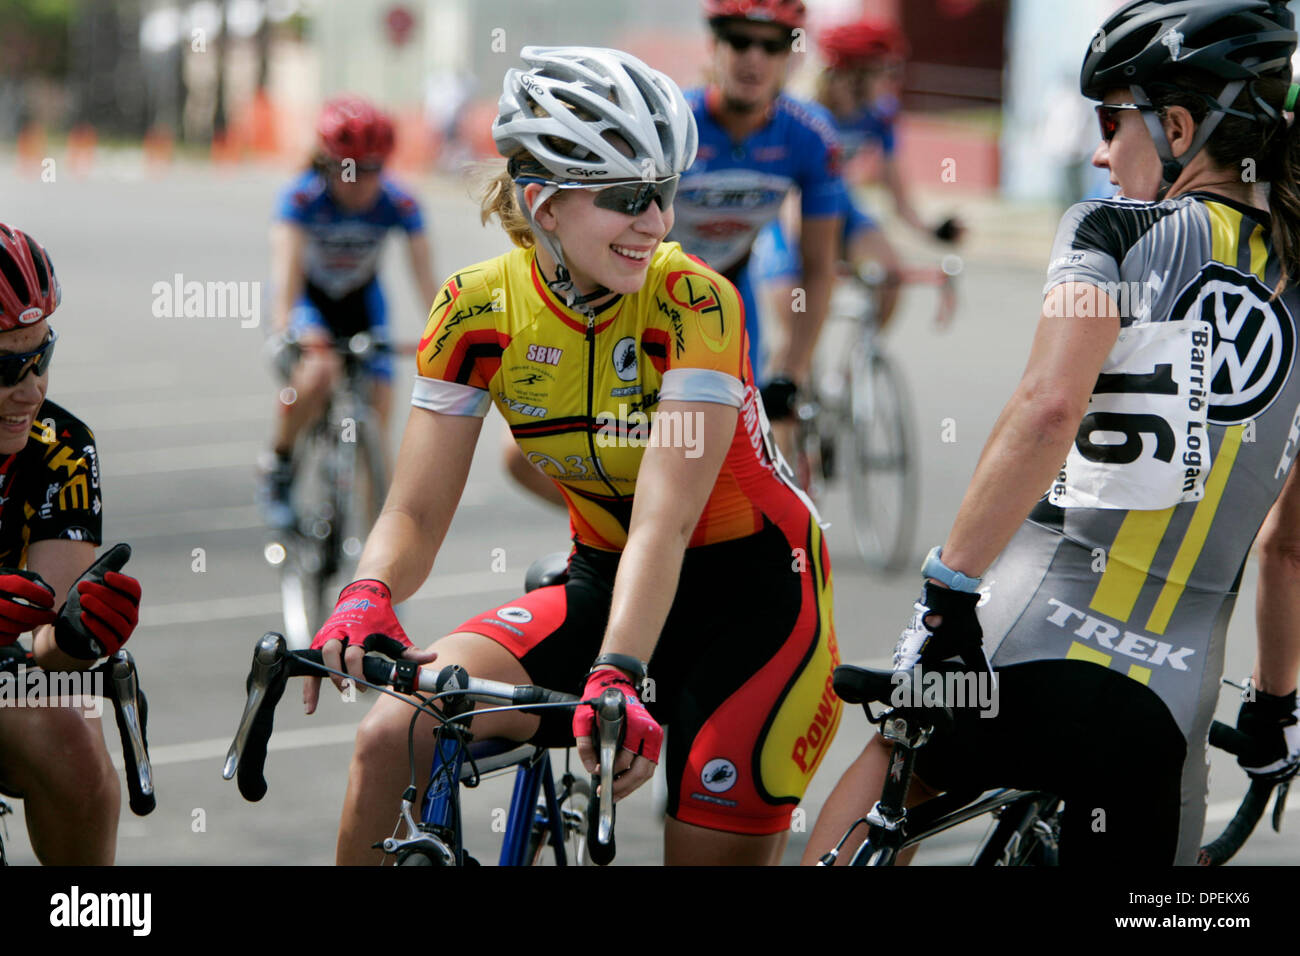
pixel 549 569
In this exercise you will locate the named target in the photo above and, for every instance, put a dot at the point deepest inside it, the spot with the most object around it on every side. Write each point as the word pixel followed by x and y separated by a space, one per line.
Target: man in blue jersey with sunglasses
pixel 757 144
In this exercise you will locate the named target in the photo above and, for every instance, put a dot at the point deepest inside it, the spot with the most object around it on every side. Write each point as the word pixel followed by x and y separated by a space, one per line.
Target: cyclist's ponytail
pixel 1256 147
pixel 497 198
pixel 1284 204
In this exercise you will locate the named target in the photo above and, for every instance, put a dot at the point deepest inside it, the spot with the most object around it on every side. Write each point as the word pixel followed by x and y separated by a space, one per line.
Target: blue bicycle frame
pixel 441 807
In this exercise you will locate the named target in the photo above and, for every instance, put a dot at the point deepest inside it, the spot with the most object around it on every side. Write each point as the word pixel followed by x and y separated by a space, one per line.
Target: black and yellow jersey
pixel 50 489
pixel 580 392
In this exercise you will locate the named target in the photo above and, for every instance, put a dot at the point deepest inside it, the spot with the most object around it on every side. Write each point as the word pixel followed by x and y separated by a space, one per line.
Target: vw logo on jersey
pixel 1253 344
pixel 517 615
pixel 719 774
pixel 624 357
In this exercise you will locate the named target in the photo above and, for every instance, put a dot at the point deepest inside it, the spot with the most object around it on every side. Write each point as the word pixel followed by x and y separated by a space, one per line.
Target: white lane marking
pixel 205 411
pixel 157 461
pixel 217 747
pixel 234 518
pixel 257 605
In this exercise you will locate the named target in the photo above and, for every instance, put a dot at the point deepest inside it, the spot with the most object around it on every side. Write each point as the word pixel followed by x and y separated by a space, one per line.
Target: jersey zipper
pixel 591 411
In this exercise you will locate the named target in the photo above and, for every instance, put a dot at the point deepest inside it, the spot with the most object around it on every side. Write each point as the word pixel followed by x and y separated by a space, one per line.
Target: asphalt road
pixel 181 406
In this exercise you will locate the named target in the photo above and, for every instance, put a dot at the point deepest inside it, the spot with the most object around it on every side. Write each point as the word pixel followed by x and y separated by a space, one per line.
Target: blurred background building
pixel 990 84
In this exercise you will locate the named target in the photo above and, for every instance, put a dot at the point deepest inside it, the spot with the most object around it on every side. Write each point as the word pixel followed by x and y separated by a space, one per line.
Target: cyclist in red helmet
pixel 77 608
pixel 330 225
pixel 860 88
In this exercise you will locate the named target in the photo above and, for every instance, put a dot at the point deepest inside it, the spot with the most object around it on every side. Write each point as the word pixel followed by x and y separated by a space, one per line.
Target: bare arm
pixel 902 199
pixel 671 489
pixel 288 240
pixel 401 549
pixel 59 563
pixel 818 240
pixel 422 267
pixel 1277 600
pixel 1033 434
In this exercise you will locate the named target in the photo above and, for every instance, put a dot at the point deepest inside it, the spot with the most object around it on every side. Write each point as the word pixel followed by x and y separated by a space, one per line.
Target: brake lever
pixel 131 711
pixel 610 711
pixel 266 672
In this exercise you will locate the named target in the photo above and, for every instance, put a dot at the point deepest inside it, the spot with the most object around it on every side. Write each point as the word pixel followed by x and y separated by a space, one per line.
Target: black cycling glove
pixel 1271 722
pixel 957 636
pixel 779 398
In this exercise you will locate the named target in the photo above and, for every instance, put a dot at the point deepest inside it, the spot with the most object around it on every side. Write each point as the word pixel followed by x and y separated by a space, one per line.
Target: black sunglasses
pixel 14 368
pixel 740 42
pixel 1108 116
pixel 630 198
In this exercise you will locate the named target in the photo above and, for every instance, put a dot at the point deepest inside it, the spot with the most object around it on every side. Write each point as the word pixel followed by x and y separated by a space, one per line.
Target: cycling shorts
pixel 776 256
pixel 1104 743
pixel 741 676
pixel 361 310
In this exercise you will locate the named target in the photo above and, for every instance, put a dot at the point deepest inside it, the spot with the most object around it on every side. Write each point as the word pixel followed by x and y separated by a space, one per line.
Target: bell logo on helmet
pixel 28 316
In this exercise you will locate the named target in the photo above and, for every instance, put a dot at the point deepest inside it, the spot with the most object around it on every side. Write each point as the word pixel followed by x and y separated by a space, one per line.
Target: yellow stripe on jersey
pixel 804 722
pixel 1197 531
pixel 1258 252
pixel 1082 652
pixel 1225 228
pixel 1139 673
pixel 1128 561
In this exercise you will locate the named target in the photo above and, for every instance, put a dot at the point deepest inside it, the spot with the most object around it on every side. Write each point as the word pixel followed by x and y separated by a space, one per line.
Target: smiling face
pixel 750 79
pixel 19 403
pixel 602 247
pixel 1130 156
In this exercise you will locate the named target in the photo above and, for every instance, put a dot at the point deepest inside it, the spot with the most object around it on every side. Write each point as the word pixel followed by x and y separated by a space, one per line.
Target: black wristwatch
pixel 624 662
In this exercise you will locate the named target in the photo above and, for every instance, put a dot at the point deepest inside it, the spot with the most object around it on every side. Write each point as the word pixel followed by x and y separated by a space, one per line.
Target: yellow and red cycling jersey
pixel 580 393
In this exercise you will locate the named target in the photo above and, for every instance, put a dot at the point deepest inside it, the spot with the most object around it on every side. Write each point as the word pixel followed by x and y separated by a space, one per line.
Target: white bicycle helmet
pixel 559 112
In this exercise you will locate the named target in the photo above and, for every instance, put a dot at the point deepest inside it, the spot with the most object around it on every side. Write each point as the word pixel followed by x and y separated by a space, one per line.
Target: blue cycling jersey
pixel 734 189
pixel 342 253
pixel 870 127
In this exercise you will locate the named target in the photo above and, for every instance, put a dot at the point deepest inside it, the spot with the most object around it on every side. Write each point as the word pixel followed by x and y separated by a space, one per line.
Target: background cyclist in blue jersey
pixel 330 225
pixel 757 144
pixel 860 87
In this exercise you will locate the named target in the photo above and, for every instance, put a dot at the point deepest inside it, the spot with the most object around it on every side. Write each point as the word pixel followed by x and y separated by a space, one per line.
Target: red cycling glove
pixel 102 610
pixel 641 734
pixel 26 602
pixel 364 616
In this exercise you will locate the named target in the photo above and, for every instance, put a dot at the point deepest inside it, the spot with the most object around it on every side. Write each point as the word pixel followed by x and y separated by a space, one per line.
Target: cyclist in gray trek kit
pixel 1162 374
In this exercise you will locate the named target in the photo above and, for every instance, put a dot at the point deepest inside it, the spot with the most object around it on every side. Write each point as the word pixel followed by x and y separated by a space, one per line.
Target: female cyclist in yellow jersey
pixel 620 364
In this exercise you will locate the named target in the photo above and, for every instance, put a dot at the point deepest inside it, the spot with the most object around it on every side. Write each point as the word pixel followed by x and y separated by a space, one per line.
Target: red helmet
pixel 787 13
pixel 861 42
pixel 352 128
pixel 29 289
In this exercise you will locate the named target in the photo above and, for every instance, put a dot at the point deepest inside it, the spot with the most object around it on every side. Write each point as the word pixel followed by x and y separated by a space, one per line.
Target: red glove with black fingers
pixel 26 602
pixel 364 616
pixel 641 733
pixel 102 610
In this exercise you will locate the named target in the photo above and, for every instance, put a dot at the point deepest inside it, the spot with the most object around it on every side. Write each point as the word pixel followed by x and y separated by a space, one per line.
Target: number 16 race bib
pixel 1143 444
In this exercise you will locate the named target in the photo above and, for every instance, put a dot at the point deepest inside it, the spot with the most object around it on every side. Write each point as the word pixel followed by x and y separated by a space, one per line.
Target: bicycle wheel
pixel 416 858
pixel 360 489
pixel 882 464
pixel 304 567
pixel 574 803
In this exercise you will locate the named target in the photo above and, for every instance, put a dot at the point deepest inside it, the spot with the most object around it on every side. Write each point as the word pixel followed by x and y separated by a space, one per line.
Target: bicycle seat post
pixel 888 817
